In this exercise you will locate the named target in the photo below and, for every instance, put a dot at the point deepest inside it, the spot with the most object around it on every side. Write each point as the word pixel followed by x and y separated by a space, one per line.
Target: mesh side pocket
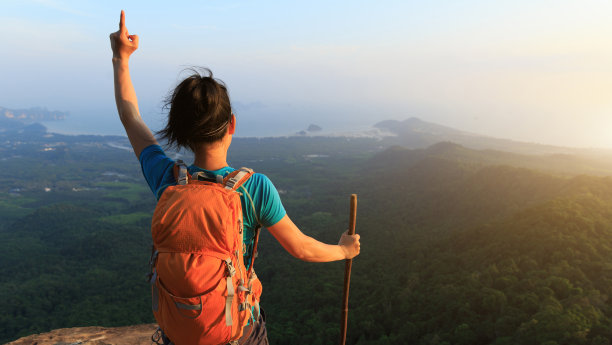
pixel 193 320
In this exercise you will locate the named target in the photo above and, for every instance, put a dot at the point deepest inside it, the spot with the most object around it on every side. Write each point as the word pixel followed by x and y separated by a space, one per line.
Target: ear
pixel 232 125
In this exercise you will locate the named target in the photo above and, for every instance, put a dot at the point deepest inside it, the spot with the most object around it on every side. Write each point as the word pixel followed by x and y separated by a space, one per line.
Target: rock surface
pixel 129 335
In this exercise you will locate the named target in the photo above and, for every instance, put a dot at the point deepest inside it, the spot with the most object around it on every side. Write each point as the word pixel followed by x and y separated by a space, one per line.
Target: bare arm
pixel 123 45
pixel 307 248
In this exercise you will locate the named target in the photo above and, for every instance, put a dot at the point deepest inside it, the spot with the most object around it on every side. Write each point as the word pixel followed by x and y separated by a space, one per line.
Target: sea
pixel 108 123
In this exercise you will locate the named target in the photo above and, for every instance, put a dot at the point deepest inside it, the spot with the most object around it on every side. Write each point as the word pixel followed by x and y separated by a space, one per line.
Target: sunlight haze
pixel 523 70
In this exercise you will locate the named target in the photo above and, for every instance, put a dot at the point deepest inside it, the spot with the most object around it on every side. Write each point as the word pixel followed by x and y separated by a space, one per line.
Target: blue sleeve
pixel 267 200
pixel 157 169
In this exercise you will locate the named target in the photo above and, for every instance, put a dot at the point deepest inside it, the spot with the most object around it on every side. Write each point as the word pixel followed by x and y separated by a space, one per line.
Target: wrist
pixel 344 250
pixel 120 61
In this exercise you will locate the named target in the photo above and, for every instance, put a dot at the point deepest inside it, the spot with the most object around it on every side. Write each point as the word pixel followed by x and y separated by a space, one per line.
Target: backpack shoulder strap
pixel 254 252
pixel 180 172
pixel 233 181
pixel 236 178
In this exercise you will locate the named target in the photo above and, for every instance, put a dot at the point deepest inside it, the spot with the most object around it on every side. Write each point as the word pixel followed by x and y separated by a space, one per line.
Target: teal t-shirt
pixel 157 169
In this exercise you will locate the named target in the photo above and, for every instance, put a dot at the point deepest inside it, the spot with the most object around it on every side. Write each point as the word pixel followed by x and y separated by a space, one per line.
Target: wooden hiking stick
pixel 347 272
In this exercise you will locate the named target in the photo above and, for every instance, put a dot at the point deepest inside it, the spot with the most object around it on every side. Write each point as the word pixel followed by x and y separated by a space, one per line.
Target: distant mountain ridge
pixel 32 114
pixel 416 133
pixel 574 163
pixel 412 133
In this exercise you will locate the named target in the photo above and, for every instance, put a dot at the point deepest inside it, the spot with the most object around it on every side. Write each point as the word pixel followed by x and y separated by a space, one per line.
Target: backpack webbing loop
pixel 257 312
pixel 152 261
pixel 180 172
pixel 230 292
pixel 154 293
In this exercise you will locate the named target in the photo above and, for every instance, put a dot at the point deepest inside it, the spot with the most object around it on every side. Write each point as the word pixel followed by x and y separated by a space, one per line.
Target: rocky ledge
pixel 129 335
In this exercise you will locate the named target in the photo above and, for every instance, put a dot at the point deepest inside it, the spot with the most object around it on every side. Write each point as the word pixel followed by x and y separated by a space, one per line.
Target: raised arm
pixel 123 45
pixel 308 249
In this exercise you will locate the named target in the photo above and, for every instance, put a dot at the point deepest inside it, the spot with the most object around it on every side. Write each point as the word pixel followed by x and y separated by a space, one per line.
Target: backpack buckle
pixel 230 267
pixel 231 182
pixel 244 306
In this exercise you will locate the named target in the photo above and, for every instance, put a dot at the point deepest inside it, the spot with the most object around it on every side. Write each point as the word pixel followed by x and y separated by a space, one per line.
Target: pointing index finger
pixel 122 20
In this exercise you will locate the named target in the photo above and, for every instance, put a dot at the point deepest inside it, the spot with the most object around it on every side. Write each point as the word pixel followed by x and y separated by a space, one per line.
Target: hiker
pixel 201 119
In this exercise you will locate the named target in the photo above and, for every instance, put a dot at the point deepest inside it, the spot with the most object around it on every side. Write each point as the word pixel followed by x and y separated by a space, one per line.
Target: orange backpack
pixel 202 291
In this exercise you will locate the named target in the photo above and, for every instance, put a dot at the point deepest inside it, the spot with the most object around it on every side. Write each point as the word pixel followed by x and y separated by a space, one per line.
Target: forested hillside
pixel 509 256
pixel 458 246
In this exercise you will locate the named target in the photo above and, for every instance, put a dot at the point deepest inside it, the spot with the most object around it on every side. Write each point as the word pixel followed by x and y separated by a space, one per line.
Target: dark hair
pixel 199 111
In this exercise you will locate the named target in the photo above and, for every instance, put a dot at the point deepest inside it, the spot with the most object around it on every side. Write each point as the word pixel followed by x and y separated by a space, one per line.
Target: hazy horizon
pixel 534 72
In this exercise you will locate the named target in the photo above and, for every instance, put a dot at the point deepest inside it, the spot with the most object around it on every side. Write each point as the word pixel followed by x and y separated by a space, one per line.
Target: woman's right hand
pixel 122 43
pixel 350 244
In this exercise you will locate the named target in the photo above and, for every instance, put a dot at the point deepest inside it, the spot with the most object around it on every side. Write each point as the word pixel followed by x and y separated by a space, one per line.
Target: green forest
pixel 459 246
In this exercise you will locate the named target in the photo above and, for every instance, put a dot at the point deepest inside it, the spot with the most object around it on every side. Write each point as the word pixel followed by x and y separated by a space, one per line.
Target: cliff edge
pixel 129 335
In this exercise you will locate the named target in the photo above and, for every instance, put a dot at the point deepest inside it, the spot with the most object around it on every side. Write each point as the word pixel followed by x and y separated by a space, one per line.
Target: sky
pixel 536 71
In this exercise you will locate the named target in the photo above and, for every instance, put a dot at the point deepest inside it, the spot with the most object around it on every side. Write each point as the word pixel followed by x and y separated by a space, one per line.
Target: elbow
pixel 300 253
pixel 126 118
pixel 128 111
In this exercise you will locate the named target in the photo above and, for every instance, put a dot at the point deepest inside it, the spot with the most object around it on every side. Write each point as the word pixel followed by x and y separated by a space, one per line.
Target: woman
pixel 200 119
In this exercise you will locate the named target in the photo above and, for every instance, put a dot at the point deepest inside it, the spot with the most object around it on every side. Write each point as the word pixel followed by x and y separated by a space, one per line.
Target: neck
pixel 211 157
